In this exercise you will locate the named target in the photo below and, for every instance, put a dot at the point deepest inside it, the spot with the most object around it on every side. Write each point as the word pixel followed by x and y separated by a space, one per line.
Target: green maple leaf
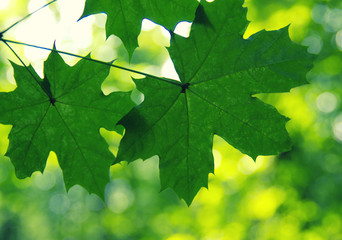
pixel 219 72
pixel 63 113
pixel 124 17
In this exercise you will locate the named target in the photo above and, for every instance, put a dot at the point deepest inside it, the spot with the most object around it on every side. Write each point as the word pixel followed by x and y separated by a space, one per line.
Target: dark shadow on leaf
pixel 135 122
pixel 202 18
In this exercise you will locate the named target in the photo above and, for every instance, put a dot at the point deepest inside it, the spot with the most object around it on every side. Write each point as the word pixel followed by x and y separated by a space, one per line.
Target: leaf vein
pixel 79 148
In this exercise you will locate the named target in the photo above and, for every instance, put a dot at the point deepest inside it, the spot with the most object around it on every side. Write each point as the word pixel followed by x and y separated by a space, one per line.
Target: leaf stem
pixel 27 16
pixel 95 60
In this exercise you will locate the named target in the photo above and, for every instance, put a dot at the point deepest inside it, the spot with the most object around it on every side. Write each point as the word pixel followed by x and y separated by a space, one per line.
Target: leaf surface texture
pixel 220 72
pixel 63 113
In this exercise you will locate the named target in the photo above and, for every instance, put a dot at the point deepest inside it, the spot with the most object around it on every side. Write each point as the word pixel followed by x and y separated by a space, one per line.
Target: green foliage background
pixel 292 196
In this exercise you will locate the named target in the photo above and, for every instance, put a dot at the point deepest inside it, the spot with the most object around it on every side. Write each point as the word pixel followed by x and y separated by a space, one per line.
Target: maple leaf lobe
pixel 224 71
pixel 63 113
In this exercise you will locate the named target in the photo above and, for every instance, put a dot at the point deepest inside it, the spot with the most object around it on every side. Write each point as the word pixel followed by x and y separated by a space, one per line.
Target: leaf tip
pixel 188 202
pixel 287 119
pixel 254 156
pixel 54 45
pixel 188 199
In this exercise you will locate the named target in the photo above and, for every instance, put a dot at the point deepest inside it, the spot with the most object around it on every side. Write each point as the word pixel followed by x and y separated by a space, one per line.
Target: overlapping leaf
pixel 63 113
pixel 124 17
pixel 219 72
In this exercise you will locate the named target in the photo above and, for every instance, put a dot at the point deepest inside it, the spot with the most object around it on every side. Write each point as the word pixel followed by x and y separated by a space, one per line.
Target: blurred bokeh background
pixel 296 195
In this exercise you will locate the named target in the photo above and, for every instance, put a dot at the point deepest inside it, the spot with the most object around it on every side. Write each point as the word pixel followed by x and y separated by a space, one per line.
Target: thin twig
pixel 95 60
pixel 27 16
